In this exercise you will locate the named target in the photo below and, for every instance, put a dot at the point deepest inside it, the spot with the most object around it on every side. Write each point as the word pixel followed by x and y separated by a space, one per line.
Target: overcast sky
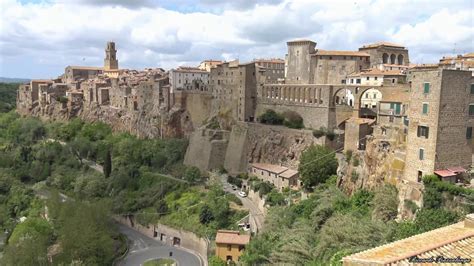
pixel 38 38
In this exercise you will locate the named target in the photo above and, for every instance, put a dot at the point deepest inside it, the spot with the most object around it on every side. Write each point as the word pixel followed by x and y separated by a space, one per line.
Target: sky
pixel 39 38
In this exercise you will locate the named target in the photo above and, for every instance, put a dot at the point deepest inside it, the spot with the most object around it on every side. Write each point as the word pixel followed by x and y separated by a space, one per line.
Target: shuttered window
pixel 421 154
pixel 425 109
pixel 426 87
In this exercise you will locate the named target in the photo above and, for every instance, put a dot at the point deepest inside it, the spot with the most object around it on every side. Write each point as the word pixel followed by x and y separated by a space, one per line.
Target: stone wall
pixel 207 149
pixel 188 240
pixel 253 142
pixel 198 105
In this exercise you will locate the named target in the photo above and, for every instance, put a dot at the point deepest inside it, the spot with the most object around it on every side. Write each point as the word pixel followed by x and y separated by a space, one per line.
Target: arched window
pixel 392 59
pixel 385 58
pixel 400 59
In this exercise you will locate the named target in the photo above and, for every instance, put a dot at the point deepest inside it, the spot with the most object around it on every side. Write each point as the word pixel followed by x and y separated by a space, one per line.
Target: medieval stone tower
pixel 110 61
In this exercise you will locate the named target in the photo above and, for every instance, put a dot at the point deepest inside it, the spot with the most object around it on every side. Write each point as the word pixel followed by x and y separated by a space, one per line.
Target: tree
pixel 385 203
pixel 216 261
pixel 271 117
pixel 107 163
pixel 192 174
pixel 275 198
pixel 317 164
pixel 205 216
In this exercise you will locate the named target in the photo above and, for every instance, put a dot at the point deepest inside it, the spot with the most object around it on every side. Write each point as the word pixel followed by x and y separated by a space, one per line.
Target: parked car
pixel 242 194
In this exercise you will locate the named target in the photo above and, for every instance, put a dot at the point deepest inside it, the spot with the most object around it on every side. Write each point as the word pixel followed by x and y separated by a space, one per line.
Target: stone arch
pixel 385 58
pixel 400 59
pixel 344 96
pixel 393 57
pixel 368 101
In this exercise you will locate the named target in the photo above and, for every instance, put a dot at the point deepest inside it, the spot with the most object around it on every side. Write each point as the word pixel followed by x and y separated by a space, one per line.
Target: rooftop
pixel 377 72
pixel 289 173
pixel 379 44
pixel 277 169
pixel 85 67
pixel 335 52
pixel 231 237
pixel 449 241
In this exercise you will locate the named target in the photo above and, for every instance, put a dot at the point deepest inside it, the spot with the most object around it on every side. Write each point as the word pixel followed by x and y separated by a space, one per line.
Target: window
pixel 241 247
pixel 375 78
pixel 469 133
pixel 229 247
pixel 421 154
pixel 426 87
pixel 420 176
pixel 471 109
pixel 472 88
pixel 358 81
pixel 425 109
pixel 423 131
pixel 367 78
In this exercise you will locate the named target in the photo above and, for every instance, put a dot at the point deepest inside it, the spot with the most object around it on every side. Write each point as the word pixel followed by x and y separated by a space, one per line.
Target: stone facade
pixel 439 102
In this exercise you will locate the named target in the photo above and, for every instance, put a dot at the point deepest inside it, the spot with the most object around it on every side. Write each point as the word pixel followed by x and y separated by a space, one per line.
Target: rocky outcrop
pixel 253 142
pixel 148 122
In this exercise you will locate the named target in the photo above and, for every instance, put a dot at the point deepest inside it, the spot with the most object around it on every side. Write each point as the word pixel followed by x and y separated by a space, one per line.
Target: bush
pixel 355 161
pixel 410 205
pixel 293 120
pixel 192 174
pixel 275 198
pixel 234 181
pixel 354 176
pixel 271 117
pixel 322 131
pixel 348 155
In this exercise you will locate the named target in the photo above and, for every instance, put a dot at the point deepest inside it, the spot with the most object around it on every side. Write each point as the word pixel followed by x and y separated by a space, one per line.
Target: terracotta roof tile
pixel 231 237
pixel 449 241
pixel 289 173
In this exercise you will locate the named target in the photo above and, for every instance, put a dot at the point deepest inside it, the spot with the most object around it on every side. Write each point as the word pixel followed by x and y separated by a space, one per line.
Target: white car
pixel 242 194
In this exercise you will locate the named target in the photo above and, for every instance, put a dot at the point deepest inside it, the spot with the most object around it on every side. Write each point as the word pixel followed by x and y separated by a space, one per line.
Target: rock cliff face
pixel 382 162
pixel 148 122
pixel 252 142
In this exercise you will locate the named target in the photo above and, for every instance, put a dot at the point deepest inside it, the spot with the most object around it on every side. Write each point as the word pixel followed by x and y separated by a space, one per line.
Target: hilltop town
pixel 388 121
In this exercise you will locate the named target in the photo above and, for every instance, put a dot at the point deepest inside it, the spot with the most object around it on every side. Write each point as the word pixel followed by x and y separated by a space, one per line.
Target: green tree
pixel 192 174
pixel 216 261
pixel 271 117
pixel 385 203
pixel 317 164
pixel 205 216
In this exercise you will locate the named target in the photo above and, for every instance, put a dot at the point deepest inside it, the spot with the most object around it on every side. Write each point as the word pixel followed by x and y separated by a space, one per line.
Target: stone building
pixel 188 78
pixel 230 245
pixel 460 62
pixel 208 64
pixel 384 55
pixel 280 176
pixel 440 128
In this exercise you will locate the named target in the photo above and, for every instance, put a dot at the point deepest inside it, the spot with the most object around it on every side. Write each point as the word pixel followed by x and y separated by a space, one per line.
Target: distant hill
pixel 13 80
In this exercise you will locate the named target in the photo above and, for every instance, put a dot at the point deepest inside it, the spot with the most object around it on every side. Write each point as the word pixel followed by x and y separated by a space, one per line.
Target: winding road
pixel 143 248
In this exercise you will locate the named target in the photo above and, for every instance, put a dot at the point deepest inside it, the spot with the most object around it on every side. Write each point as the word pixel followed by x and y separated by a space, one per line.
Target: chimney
pixel 469 221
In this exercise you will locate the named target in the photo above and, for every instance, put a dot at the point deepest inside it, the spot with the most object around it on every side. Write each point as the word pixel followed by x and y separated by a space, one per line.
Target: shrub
pixel 354 176
pixel 410 205
pixel 355 161
pixel 271 117
pixel 234 181
pixel 348 155
pixel 293 120
pixel 275 198
pixel 317 133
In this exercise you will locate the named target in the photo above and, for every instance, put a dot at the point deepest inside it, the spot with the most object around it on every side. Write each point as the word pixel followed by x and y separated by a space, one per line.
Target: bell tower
pixel 110 61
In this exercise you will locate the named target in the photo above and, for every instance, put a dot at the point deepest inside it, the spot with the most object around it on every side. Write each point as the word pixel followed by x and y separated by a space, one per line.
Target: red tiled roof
pixel 444 173
pixel 457 169
pixel 231 237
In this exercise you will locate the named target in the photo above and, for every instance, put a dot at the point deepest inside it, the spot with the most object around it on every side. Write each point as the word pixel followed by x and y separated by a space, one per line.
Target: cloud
pixel 38 39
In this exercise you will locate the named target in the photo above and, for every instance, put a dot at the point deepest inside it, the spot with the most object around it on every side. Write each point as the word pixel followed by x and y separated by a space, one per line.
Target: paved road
pixel 247 203
pixel 143 248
